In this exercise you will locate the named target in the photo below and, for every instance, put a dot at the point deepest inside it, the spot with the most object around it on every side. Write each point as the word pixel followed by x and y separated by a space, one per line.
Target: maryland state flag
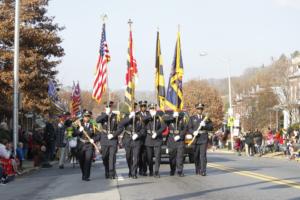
pixel 131 75
pixel 159 77
pixel 174 98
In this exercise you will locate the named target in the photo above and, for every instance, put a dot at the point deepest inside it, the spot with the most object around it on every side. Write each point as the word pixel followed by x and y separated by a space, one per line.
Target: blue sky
pixel 246 32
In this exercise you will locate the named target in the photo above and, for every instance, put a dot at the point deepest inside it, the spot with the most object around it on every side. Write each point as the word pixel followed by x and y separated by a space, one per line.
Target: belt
pixel 201 132
pixel 83 140
pixel 129 132
pixel 174 131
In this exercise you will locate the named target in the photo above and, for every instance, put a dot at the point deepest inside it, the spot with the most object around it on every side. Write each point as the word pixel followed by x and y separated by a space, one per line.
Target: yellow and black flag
pixel 131 75
pixel 159 77
pixel 174 99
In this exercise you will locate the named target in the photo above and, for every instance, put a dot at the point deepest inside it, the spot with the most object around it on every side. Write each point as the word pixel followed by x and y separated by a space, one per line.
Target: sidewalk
pixel 274 155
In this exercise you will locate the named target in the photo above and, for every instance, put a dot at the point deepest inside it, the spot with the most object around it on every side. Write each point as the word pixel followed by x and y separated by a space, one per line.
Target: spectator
pixel 215 141
pixel 237 145
pixel 20 154
pixel 277 139
pixel 270 139
pixel 249 144
pixel 49 138
pixel 258 141
pixel 61 141
pixel 9 164
pixel 30 146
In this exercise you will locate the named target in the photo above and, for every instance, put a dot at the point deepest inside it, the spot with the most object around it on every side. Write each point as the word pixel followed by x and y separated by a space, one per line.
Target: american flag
pixel 100 81
pixel 75 99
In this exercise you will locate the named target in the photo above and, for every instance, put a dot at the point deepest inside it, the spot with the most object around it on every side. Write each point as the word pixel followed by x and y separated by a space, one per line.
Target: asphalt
pixel 229 177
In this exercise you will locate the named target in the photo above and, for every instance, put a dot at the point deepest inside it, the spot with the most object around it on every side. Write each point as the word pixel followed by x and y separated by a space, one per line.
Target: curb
pixel 31 169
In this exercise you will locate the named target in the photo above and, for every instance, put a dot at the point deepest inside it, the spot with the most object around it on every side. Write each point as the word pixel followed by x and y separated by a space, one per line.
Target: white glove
pixel 107 111
pixel 188 137
pixel 152 112
pixel 81 128
pixel 91 141
pixel 202 124
pixel 132 114
pixel 110 136
pixel 60 125
pixel 154 135
pixel 176 138
pixel 175 114
pixel 134 136
pixel 195 133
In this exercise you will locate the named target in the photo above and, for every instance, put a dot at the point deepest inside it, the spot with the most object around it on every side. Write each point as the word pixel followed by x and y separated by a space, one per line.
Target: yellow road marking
pixel 256 175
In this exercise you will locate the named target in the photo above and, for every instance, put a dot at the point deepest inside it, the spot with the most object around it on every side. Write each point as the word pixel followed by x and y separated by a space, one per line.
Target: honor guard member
pixel 132 127
pixel 177 126
pixel 155 127
pixel 109 140
pixel 85 145
pixel 143 113
pixel 199 125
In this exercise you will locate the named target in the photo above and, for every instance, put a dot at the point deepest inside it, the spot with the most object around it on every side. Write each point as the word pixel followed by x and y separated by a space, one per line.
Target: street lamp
pixel 230 109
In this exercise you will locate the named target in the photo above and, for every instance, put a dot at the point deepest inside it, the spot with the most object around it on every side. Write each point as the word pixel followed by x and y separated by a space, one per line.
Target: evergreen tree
pixel 40 53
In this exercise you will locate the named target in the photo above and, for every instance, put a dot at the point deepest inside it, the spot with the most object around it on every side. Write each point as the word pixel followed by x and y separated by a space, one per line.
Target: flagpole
pixel 177 78
pixel 130 22
pixel 104 17
pixel 130 75
pixel 156 70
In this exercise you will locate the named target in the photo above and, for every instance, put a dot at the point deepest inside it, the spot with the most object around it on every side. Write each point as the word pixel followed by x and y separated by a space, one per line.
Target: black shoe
pixel 172 173
pixel 112 177
pixel 144 174
pixel 61 167
pixel 86 179
pixel 134 177
pixel 156 175
pixel 151 174
pixel 203 174
pixel 129 175
pixel 180 174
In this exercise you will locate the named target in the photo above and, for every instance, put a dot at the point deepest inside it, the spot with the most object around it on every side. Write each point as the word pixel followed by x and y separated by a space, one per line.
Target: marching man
pixel 133 132
pixel 175 141
pixel 155 127
pixel 199 125
pixel 109 140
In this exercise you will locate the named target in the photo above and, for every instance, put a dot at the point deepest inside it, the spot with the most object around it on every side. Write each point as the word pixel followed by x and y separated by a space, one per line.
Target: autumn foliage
pixel 197 91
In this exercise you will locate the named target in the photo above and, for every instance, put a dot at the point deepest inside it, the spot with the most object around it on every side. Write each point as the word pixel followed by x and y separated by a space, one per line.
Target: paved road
pixel 229 177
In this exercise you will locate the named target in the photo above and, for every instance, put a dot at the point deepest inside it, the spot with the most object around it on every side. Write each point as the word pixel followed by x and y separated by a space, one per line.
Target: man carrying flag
pixel 176 123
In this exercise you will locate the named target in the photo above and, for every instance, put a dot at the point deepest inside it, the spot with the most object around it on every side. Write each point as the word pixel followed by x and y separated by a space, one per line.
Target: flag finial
pixel 130 22
pixel 104 17
pixel 178 27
